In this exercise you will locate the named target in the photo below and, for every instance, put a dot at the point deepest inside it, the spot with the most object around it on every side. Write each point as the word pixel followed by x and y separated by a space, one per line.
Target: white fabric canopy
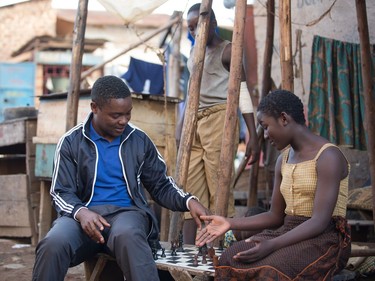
pixel 131 10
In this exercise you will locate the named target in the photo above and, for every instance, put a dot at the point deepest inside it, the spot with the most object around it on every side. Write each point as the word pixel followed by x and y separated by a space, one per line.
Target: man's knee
pixel 51 246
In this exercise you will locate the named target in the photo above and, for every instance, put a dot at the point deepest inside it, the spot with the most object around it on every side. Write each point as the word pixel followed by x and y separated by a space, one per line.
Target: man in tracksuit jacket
pixel 101 169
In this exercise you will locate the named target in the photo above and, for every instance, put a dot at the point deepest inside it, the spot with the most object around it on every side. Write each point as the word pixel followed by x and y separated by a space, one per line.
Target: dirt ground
pixel 17 260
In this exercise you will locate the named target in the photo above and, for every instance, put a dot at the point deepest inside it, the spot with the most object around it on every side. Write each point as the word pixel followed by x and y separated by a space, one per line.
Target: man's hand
pixel 252 150
pixel 92 224
pixel 197 210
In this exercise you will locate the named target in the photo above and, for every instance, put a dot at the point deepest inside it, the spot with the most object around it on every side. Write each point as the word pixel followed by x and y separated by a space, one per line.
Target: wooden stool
pixel 102 267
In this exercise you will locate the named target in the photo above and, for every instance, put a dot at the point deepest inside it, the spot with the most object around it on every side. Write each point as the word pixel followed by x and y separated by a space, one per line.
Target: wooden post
pixel 227 150
pixel 174 61
pixel 131 47
pixel 173 84
pixel 367 89
pixel 76 65
pixel 268 49
pixel 286 45
pixel 190 118
pixel 266 87
pixel 250 53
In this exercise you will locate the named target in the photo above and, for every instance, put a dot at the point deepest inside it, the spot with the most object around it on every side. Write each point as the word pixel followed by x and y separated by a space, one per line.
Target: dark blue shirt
pixel 110 185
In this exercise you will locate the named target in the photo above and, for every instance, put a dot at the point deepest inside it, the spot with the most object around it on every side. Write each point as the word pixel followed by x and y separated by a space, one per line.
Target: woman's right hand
pixel 214 227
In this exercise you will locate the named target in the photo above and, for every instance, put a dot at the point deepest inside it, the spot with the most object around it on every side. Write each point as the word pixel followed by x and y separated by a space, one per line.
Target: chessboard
pixel 189 259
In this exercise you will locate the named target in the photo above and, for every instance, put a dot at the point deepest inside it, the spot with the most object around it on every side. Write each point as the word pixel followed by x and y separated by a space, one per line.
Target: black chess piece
pixel 204 250
pixel 174 248
pixel 163 255
pixel 211 252
pixel 154 249
pixel 155 254
pixel 180 242
pixel 204 259
pixel 200 250
pixel 195 261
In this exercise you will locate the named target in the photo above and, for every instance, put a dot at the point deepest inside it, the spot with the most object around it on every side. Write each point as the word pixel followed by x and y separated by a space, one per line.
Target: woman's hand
pixel 214 227
pixel 261 249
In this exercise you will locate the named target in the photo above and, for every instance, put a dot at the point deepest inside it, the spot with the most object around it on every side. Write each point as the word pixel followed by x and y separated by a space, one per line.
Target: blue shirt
pixel 110 185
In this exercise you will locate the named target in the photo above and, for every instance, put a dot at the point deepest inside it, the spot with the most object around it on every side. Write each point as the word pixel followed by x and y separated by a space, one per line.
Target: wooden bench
pixel 96 269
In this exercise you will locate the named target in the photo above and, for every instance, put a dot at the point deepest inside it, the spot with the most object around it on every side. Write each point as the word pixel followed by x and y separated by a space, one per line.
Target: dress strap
pixel 285 155
pixel 323 148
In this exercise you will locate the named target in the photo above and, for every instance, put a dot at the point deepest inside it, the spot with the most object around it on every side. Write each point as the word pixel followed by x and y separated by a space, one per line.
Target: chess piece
pixel 174 248
pixel 180 242
pixel 204 260
pixel 211 252
pixel 163 255
pixel 195 261
pixel 155 254
pixel 154 249
pixel 200 250
pixel 204 250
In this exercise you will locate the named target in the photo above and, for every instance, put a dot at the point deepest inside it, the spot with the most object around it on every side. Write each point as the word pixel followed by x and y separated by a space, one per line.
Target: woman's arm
pixel 274 217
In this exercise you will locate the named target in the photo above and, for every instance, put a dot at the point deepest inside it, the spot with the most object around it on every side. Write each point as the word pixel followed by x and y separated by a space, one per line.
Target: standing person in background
pixel 208 133
pixel 101 168
pixel 305 234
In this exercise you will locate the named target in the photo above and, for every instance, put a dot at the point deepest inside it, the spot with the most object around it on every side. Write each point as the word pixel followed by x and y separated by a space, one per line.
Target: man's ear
pixel 94 107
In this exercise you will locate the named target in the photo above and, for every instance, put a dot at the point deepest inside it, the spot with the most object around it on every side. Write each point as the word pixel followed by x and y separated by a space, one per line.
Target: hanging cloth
pixel 336 108
pixel 145 77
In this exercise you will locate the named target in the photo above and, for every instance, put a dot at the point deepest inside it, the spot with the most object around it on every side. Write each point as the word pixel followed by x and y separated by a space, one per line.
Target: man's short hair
pixel 197 6
pixel 109 87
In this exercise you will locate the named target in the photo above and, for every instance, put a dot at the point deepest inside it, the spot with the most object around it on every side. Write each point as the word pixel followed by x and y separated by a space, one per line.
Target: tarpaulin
pixel 145 77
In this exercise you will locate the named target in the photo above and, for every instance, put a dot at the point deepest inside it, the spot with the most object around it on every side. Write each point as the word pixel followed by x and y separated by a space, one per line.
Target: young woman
pixel 305 235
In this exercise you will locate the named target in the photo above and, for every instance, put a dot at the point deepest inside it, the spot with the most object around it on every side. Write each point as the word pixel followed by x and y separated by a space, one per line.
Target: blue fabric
pixel 141 74
pixel 110 187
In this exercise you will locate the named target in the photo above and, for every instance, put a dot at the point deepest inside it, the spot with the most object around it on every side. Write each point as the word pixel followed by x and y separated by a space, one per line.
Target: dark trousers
pixel 67 245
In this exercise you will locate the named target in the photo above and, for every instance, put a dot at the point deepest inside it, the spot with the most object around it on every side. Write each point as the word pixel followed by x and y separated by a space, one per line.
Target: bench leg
pixel 94 274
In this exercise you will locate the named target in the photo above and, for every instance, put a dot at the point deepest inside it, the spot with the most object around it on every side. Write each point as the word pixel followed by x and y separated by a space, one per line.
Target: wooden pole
pixel 174 62
pixel 250 53
pixel 227 149
pixel 173 84
pixel 132 46
pixel 266 87
pixel 369 92
pixel 190 118
pixel 76 65
pixel 268 49
pixel 286 45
